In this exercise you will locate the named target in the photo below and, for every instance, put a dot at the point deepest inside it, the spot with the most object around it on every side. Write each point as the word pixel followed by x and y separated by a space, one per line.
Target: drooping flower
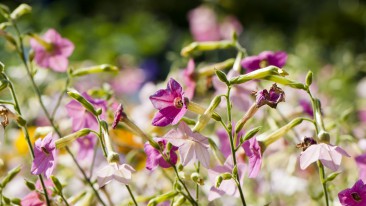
pixel 227 187
pixel 81 118
pixel 354 196
pixel 329 155
pixel 114 171
pixel 253 151
pixel 44 156
pixel 203 24
pixel 271 98
pixel 361 164
pixel 170 103
pixel 52 51
pixel 189 81
pixel 118 115
pixel 154 157
pixel 192 145
pixel 266 58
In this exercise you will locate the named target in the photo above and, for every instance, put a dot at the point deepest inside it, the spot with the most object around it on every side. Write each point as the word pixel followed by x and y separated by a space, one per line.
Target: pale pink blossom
pixel 203 24
pixel 253 151
pixel 114 171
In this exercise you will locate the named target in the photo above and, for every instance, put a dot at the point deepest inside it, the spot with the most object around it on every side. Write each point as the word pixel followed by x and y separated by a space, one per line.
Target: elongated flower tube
pixel 206 46
pixel 259 74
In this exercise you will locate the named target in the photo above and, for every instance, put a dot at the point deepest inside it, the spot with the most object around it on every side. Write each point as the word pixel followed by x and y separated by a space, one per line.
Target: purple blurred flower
pixel 253 152
pixel 361 164
pixel 203 24
pixel 113 171
pixel 271 98
pixel 229 25
pixel 128 81
pixel 189 81
pixel 227 187
pixel 86 146
pixel 170 103
pixel 355 196
pixel 224 140
pixel 362 115
pixel 44 156
pixel 266 58
pixel 306 107
pixel 192 145
pixel 154 158
pixel 55 54
pixel 240 94
pixel 329 155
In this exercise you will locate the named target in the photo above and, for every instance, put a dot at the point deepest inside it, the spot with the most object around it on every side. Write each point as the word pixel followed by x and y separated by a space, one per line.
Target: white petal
pixel 310 155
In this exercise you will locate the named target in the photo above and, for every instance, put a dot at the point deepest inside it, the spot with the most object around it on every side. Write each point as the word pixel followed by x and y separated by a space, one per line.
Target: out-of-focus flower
pixel 192 145
pixel 253 151
pixel 114 171
pixel 224 140
pixel 329 155
pixel 203 24
pixel 32 199
pixel 227 187
pixel 86 146
pixel 170 103
pixel 52 51
pixel 306 107
pixel 362 116
pixel 154 157
pixel 44 156
pixel 189 81
pixel 240 93
pixel 266 58
pixel 354 196
pixel 361 164
pixel 128 81
pixel 229 25
pixel 118 115
pixel 271 98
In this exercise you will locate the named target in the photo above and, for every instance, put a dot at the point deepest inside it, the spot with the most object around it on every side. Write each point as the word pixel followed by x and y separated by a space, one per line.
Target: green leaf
pixel 57 184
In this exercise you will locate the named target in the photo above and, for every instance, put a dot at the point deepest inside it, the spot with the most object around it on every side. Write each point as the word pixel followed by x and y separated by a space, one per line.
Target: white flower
pixel 120 172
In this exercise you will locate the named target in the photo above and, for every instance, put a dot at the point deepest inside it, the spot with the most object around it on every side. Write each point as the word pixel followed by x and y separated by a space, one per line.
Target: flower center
pixel 356 196
pixel 263 63
pixel 178 102
pixel 44 150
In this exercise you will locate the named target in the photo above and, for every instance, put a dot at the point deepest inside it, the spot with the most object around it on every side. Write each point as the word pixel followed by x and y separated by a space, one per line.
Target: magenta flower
pixel 192 145
pixel 266 58
pixel 54 54
pixel 271 98
pixel 355 196
pixel 44 156
pixel 361 164
pixel 189 80
pixel 118 116
pixel 170 103
pixel 203 24
pixel 154 157
pixel 113 171
pixel 329 155
pixel 227 187
pixel 253 152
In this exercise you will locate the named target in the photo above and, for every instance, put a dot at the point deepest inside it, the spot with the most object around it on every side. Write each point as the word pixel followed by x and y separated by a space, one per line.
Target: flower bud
pixel 21 10
pixel 57 184
pixel 196 177
pixel 206 116
pixel 211 69
pixel 259 74
pixel 94 69
pixel 86 104
pixel 222 77
pixel 162 198
pixel 309 78
pixel 11 174
pixel 113 157
pixel 250 134
pixel 64 141
pixel 30 185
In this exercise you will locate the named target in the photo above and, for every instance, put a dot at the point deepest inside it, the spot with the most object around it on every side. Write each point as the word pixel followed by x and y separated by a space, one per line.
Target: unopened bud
pixel 94 70
pixel 309 78
pixel 30 185
pixel 21 10
pixel 222 77
pixel 86 104
pixel 64 141
pixel 113 157
pixel 196 177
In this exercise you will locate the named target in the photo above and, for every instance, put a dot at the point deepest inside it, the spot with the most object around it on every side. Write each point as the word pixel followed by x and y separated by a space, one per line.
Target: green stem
pixel 197 186
pixel 60 97
pixel 324 183
pixel 190 198
pixel 6 102
pixel 131 194
pixel 232 146
pixel 64 199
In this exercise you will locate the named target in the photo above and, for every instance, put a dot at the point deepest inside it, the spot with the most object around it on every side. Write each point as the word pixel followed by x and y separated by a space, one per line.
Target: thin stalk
pixel 133 197
pixel 197 186
pixel 190 198
pixel 232 147
pixel 64 199
pixel 324 183
pixel 60 97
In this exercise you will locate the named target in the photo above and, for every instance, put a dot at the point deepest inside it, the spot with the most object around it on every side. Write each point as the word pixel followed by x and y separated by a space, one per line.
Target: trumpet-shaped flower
pixel 192 145
pixel 114 171
pixel 329 155
pixel 266 58
pixel 354 196
pixel 170 103
pixel 253 151
pixel 44 156
pixel 53 52
pixel 155 158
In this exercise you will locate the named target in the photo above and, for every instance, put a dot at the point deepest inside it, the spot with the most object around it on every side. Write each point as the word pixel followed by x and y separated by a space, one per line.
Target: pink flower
pixel 203 24
pixel 44 156
pixel 361 164
pixel 264 59
pixel 227 187
pixel 86 146
pixel 154 157
pixel 355 196
pixel 113 171
pixel 170 103
pixel 189 81
pixel 229 25
pixel 53 55
pixel 192 146
pixel 329 155
pixel 253 151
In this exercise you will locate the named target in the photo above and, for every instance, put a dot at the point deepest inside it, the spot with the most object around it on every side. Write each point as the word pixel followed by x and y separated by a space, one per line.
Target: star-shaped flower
pixel 114 171
pixel 355 196
pixel 192 145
